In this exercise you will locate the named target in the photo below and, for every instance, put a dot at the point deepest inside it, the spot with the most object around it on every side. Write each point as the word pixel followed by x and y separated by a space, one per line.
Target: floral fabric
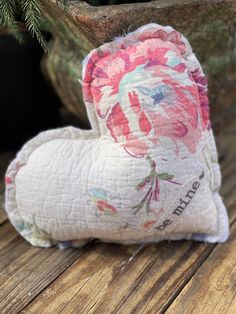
pixel 148 169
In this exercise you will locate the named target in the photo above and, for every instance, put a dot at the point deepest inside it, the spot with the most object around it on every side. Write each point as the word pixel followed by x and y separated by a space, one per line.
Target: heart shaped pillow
pixel 148 169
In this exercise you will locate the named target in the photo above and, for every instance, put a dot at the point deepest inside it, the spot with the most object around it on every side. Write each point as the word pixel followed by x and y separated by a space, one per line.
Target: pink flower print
pixel 118 124
pixel 179 114
pixel 108 72
pixel 99 199
pixel 8 180
pixel 144 123
pixel 106 207
pixel 149 223
pixel 201 81
pixel 144 91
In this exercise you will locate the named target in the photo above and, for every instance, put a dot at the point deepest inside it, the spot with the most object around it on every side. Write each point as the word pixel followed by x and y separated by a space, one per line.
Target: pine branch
pixel 33 16
pixel 31 11
pixel 7 18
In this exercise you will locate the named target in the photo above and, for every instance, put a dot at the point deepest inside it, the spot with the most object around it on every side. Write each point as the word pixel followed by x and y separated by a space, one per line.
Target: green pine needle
pixel 7 17
pixel 33 17
pixel 31 12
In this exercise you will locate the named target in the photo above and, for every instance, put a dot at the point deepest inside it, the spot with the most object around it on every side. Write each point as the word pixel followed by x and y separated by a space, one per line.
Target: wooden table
pixel 172 277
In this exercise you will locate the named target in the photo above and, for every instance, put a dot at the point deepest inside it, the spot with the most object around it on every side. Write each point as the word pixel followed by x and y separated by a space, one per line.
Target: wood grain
pixel 7 234
pixel 91 273
pixel 213 288
pixel 25 271
pixel 108 279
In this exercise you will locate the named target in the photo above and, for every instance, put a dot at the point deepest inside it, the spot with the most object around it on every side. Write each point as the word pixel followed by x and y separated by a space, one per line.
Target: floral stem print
pixel 152 180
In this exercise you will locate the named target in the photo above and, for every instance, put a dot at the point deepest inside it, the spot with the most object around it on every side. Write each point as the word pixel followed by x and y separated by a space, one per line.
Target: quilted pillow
pixel 148 169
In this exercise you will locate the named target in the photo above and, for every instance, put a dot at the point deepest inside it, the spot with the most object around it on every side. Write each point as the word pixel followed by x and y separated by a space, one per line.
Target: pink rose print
pixel 145 92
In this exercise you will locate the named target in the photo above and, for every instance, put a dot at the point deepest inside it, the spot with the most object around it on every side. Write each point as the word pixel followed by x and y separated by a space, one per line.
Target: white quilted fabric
pixel 148 169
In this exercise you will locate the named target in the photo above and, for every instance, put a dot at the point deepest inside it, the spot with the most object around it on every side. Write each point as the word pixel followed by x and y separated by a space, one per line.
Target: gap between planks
pixel 168 307
pixel 212 289
pixel 25 270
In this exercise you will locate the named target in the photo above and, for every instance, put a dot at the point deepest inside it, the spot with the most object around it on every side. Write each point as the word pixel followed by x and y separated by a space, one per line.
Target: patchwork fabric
pixel 148 169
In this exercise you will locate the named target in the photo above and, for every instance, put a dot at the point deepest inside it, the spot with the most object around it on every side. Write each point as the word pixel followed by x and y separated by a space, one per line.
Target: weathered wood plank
pixel 212 289
pixel 95 269
pixel 164 280
pixel 25 271
pixel 7 234
pixel 102 280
